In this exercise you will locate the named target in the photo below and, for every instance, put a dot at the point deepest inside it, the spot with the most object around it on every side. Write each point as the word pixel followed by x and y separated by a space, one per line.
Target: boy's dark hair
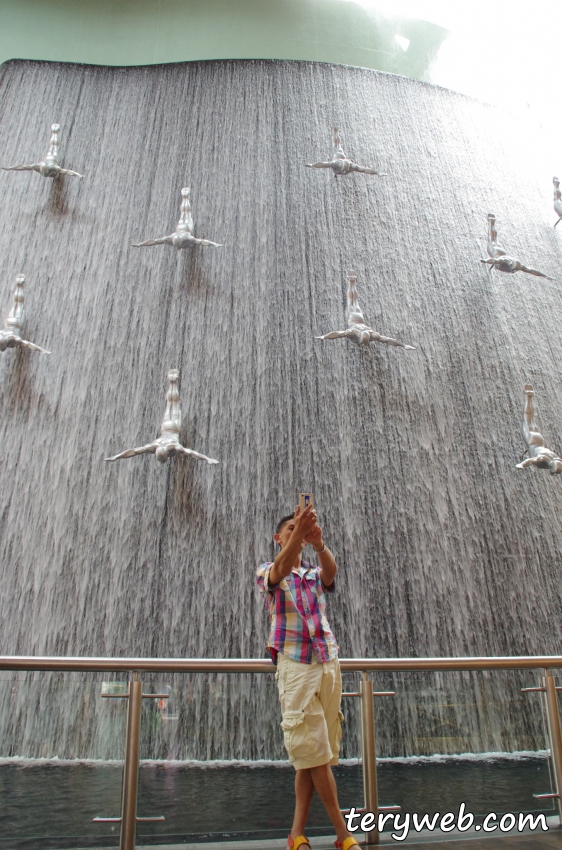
pixel 282 522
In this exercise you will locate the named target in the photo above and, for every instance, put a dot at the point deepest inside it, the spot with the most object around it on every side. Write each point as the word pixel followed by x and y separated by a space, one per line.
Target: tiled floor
pixel 425 841
pixel 530 841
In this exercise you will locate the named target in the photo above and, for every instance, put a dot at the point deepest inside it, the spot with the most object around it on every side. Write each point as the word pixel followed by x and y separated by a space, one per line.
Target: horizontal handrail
pixel 262 665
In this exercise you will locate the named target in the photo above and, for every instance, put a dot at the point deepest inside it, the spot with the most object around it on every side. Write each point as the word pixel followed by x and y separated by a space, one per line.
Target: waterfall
pixel 444 548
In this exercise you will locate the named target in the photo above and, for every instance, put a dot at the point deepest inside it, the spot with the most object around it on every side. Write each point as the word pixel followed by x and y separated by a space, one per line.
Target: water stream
pixel 444 547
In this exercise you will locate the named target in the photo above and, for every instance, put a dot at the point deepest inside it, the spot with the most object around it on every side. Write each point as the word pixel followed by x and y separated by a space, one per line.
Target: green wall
pixel 145 32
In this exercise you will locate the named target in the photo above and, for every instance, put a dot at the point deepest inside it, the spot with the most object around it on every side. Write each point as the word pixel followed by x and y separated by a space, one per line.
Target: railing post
pixel 555 736
pixel 131 768
pixel 368 752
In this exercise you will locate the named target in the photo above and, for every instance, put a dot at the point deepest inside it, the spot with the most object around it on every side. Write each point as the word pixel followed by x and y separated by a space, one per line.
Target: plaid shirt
pixel 297 607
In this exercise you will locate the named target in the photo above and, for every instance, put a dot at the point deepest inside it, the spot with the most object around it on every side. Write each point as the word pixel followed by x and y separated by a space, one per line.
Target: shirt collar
pixel 303 569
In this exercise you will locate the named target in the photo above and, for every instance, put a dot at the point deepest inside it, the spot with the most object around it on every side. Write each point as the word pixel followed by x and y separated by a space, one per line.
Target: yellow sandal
pixel 348 842
pixel 299 841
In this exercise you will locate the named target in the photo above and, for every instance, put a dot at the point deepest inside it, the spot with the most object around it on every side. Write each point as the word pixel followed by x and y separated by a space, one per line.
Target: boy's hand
pixel 315 537
pixel 305 522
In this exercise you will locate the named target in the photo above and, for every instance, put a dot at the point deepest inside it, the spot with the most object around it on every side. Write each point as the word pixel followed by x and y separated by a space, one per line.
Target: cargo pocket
pixel 296 732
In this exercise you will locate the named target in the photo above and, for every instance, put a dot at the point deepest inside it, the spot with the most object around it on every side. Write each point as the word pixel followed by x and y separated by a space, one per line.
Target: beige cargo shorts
pixel 310 696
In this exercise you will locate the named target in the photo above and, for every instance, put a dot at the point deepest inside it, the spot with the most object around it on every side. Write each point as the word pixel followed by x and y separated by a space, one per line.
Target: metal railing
pixel 136 666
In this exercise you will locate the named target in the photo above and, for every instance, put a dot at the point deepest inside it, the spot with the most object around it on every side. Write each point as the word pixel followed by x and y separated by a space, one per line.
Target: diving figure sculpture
pixel 48 167
pixel 182 237
pixel 357 331
pixel 497 257
pixel 10 335
pixel 168 443
pixel 539 455
pixel 557 199
pixel 339 162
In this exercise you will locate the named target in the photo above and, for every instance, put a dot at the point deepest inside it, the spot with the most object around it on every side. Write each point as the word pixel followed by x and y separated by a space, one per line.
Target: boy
pixel 303 646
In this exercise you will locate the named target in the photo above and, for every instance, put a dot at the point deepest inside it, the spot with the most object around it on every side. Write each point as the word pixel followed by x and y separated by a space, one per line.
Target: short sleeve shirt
pixel 297 608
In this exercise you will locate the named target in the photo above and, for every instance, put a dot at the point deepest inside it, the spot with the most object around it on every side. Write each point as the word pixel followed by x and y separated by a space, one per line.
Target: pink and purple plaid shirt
pixel 297 607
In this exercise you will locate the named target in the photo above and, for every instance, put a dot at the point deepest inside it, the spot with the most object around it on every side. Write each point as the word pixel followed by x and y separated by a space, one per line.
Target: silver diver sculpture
pixel 357 331
pixel 48 167
pixel 539 455
pixel 339 163
pixel 10 335
pixel 182 237
pixel 557 199
pixel 168 443
pixel 498 258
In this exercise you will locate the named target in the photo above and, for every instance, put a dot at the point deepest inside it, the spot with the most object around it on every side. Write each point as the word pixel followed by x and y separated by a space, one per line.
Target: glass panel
pixel 442 740
pixel 448 738
pixel 206 784
pixel 61 747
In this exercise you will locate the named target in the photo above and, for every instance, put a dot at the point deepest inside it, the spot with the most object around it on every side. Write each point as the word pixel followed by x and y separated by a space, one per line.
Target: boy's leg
pixel 325 785
pixel 306 737
pixel 323 778
pixel 304 789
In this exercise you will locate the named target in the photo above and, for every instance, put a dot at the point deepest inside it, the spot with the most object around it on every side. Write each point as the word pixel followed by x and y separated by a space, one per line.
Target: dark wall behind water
pixel 443 546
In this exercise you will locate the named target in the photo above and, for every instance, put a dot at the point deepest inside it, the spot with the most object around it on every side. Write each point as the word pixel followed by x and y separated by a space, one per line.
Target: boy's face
pixel 283 537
